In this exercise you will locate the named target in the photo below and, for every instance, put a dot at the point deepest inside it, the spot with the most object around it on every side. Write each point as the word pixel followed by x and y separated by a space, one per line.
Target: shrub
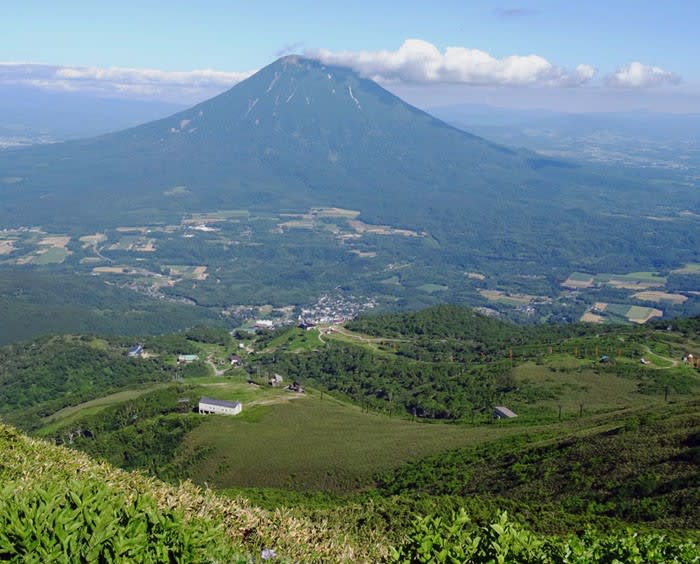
pixel 84 521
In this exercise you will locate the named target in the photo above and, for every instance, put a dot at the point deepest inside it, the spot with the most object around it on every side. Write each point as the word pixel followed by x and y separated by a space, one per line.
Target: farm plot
pixel 507 298
pixel 335 212
pixel 690 268
pixel 216 216
pixel 635 280
pixel 638 314
pixel 190 272
pixel 660 297
pixel 52 250
pixel 590 317
pixel 578 280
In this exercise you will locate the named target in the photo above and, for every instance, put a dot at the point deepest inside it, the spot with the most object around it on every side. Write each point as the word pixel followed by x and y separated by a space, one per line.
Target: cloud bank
pixel 638 75
pixel 421 62
pixel 416 62
pixel 152 83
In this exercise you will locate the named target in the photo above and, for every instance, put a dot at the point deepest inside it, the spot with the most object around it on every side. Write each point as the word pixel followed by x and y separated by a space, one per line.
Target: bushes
pixel 432 539
pixel 83 521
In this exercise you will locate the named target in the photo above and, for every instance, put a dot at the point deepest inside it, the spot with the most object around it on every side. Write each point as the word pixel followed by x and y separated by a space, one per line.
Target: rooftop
pixel 504 411
pixel 220 403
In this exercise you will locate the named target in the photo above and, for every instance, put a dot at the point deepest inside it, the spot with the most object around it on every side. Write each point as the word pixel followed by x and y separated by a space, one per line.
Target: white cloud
pixel 418 61
pixel 121 81
pixel 638 75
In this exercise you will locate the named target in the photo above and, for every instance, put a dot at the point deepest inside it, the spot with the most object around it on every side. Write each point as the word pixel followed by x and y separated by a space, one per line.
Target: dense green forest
pixel 36 303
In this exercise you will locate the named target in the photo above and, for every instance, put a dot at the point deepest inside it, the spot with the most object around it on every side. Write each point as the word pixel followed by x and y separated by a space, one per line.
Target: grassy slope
pixel 314 444
pixel 28 464
pixel 639 465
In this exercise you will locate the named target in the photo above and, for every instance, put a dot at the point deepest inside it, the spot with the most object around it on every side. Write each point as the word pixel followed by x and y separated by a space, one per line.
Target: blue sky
pixel 582 50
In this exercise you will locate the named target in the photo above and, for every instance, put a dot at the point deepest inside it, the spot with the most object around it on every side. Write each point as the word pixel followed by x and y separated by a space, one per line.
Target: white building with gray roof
pixel 210 406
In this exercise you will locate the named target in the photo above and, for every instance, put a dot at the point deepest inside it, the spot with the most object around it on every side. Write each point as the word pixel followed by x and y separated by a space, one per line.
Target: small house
pixel 295 387
pixel 187 358
pixel 211 406
pixel 275 380
pixel 135 351
pixel 234 359
pixel 501 412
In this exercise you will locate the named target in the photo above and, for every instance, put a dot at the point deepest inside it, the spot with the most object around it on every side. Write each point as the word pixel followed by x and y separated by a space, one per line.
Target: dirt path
pixel 217 371
pixel 673 362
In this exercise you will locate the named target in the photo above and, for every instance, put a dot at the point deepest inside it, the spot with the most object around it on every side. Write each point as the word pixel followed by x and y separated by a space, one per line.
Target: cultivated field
pixel 361 227
pixel 335 212
pixel 637 314
pixel 578 280
pixel 690 268
pixel 507 298
pixel 658 297
pixel 635 280
pixel 590 317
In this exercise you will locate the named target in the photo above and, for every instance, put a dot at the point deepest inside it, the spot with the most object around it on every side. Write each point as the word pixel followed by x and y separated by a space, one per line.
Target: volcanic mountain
pixel 299 133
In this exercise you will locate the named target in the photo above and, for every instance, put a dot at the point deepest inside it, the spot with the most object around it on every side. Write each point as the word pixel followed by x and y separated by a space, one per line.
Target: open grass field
pixel 570 383
pixel 50 255
pixel 69 414
pixel 432 288
pixel 315 444
pixel 297 340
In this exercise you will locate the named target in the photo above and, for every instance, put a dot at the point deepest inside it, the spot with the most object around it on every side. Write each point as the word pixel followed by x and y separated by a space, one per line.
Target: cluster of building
pixel 337 308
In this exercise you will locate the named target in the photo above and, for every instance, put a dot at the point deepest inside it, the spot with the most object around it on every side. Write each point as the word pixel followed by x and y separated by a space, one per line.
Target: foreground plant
pixel 84 521
pixel 455 540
